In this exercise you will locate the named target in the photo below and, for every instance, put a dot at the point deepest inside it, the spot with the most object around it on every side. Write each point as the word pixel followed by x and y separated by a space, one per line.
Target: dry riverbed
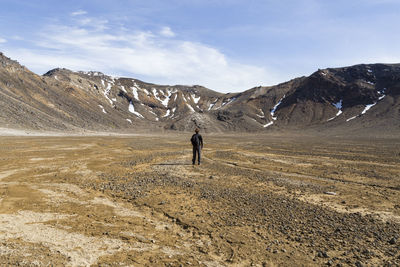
pixel 254 201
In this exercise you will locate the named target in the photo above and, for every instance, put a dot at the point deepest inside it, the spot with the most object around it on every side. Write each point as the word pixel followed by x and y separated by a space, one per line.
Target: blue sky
pixel 227 46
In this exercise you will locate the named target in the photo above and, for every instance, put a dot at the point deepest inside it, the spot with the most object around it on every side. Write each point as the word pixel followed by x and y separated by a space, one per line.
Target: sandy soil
pixel 254 201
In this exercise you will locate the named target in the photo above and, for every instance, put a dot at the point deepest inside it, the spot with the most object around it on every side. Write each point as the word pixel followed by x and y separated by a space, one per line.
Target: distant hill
pixel 353 100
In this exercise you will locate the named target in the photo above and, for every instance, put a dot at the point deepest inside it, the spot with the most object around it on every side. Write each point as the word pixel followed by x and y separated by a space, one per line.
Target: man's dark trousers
pixel 196 151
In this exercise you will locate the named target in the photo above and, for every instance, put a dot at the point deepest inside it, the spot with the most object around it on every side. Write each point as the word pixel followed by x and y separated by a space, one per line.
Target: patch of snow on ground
pixel 371 83
pixel 229 101
pixel 107 91
pixel 190 107
pixel 268 124
pixel 132 110
pixel 212 104
pixel 129 120
pixel 102 82
pixel 135 93
pixel 274 109
pixel 352 118
pixel 166 98
pixel 382 93
pixel 152 112
pixel 370 71
pixel 123 88
pixel 167 114
pixel 195 99
pixel 337 105
pixel 262 114
pixel 103 109
pixel 367 107
pixel 55 77
pixel 176 95
pixel 114 99
pixel 146 91
pixel 165 101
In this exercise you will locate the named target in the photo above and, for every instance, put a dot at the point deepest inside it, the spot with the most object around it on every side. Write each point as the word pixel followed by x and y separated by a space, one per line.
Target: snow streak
pixel 132 110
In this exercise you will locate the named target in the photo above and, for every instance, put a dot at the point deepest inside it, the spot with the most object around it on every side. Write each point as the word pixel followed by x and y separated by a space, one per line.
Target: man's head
pixel 197 130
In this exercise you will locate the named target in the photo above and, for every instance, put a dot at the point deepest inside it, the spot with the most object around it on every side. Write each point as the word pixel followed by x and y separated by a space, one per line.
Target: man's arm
pixel 201 141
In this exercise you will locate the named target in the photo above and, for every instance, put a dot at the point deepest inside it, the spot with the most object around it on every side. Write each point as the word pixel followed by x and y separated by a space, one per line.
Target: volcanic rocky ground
pixel 256 200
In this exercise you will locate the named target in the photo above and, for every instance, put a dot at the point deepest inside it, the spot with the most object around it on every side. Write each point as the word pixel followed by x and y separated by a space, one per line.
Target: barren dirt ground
pixel 254 201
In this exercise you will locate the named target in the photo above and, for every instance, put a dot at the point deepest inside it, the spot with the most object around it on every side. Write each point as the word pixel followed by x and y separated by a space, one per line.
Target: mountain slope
pixel 348 99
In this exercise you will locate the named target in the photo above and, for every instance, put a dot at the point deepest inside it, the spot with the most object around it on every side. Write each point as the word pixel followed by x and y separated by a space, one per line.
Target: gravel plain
pixel 255 200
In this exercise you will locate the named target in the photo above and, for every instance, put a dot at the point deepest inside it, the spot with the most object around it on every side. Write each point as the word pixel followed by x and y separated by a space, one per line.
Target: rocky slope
pixel 342 99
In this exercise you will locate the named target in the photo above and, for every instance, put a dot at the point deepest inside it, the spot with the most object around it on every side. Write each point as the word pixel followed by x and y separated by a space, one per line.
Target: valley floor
pixel 255 201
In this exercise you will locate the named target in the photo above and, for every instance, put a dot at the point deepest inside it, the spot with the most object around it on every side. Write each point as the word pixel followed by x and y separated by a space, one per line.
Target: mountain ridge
pixel 354 98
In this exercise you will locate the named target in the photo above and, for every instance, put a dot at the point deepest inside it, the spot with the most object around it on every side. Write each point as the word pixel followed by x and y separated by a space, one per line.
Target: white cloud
pixel 2 40
pixel 158 58
pixel 78 13
pixel 167 32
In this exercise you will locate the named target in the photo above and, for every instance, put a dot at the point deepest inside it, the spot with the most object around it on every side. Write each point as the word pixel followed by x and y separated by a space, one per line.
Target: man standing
pixel 197 142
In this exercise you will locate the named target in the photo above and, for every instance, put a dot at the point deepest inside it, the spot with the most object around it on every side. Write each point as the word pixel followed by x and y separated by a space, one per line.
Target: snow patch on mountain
pixel 274 109
pixel 195 99
pixel 212 104
pixel 135 93
pixel 152 112
pixel 147 92
pixel 382 94
pixel 268 124
pixel 167 113
pixel 190 107
pixel 102 108
pixel 132 110
pixel 367 107
pixel 352 118
pixel 230 100
pixel 166 98
pixel 107 91
pixel 262 114
pixel 337 105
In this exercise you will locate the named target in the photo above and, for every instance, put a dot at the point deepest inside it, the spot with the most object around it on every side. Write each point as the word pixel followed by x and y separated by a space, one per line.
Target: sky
pixel 224 45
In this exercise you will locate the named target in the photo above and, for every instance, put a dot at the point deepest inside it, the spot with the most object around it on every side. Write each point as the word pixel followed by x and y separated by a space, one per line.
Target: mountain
pixel 350 99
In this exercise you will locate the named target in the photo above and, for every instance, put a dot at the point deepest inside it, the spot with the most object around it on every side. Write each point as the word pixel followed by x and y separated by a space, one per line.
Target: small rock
pixel 392 241
pixel 211 177
pixel 359 264
pixel 264 212
pixel 322 254
pixel 330 193
pixel 275 251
